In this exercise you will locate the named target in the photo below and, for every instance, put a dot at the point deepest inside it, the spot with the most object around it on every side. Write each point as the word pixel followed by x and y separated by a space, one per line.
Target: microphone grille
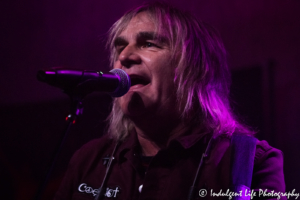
pixel 124 83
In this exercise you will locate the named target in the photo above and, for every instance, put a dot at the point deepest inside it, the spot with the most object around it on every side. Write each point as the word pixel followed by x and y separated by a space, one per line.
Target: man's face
pixel 146 56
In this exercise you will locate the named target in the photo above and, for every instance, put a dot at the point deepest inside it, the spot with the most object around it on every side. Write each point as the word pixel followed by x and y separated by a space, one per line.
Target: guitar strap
pixel 242 161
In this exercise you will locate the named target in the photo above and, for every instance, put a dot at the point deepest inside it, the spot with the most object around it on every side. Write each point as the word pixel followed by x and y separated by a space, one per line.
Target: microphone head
pixel 124 83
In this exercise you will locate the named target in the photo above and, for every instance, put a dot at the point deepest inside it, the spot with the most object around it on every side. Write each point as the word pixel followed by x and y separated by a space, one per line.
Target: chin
pixel 132 104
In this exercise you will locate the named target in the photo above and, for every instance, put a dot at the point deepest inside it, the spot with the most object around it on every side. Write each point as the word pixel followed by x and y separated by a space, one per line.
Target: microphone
pixel 82 82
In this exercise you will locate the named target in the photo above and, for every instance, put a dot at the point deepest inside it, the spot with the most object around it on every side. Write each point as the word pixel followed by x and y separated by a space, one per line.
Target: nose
pixel 129 56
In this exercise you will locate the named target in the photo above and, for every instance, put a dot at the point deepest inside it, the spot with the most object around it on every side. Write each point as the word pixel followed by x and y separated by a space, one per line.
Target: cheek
pixel 164 70
pixel 123 102
pixel 117 65
pixel 131 104
pixel 165 80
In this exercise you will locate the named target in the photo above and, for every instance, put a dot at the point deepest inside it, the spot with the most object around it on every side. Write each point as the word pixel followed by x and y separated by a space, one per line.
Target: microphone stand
pixel 76 111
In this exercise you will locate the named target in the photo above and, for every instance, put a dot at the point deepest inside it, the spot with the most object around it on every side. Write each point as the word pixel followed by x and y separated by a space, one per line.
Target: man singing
pixel 173 135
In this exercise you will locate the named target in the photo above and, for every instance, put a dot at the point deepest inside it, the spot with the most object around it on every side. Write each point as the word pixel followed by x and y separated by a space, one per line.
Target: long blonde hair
pixel 201 76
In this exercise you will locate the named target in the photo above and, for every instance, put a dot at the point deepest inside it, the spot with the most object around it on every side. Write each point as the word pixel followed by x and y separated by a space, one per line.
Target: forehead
pixel 139 23
pixel 142 27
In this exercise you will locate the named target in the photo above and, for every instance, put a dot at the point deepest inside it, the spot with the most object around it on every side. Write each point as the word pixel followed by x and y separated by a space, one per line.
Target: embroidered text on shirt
pixel 110 193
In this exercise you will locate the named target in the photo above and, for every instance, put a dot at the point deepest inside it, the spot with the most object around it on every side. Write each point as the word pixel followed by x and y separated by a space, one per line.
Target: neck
pixel 148 147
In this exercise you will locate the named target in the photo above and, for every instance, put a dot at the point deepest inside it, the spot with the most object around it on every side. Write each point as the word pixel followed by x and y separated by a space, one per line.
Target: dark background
pixel 261 36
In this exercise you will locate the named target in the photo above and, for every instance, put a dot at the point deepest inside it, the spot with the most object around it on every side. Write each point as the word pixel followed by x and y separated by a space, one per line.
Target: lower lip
pixel 136 86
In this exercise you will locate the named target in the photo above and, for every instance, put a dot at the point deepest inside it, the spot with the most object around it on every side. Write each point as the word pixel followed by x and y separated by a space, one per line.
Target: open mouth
pixel 138 80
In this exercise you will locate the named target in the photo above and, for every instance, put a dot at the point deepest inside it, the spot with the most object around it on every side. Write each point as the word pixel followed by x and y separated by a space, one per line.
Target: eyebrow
pixel 152 36
pixel 119 41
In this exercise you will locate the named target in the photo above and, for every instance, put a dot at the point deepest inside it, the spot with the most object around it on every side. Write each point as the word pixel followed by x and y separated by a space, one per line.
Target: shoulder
pixel 267 159
pixel 264 152
pixel 86 160
pixel 92 151
pixel 268 168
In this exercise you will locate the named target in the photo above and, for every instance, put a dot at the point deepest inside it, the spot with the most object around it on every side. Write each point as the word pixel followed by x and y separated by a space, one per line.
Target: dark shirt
pixel 170 173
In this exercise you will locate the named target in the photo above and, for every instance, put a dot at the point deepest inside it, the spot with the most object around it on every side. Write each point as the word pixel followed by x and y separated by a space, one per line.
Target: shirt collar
pixel 187 140
pixel 193 136
pixel 130 143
